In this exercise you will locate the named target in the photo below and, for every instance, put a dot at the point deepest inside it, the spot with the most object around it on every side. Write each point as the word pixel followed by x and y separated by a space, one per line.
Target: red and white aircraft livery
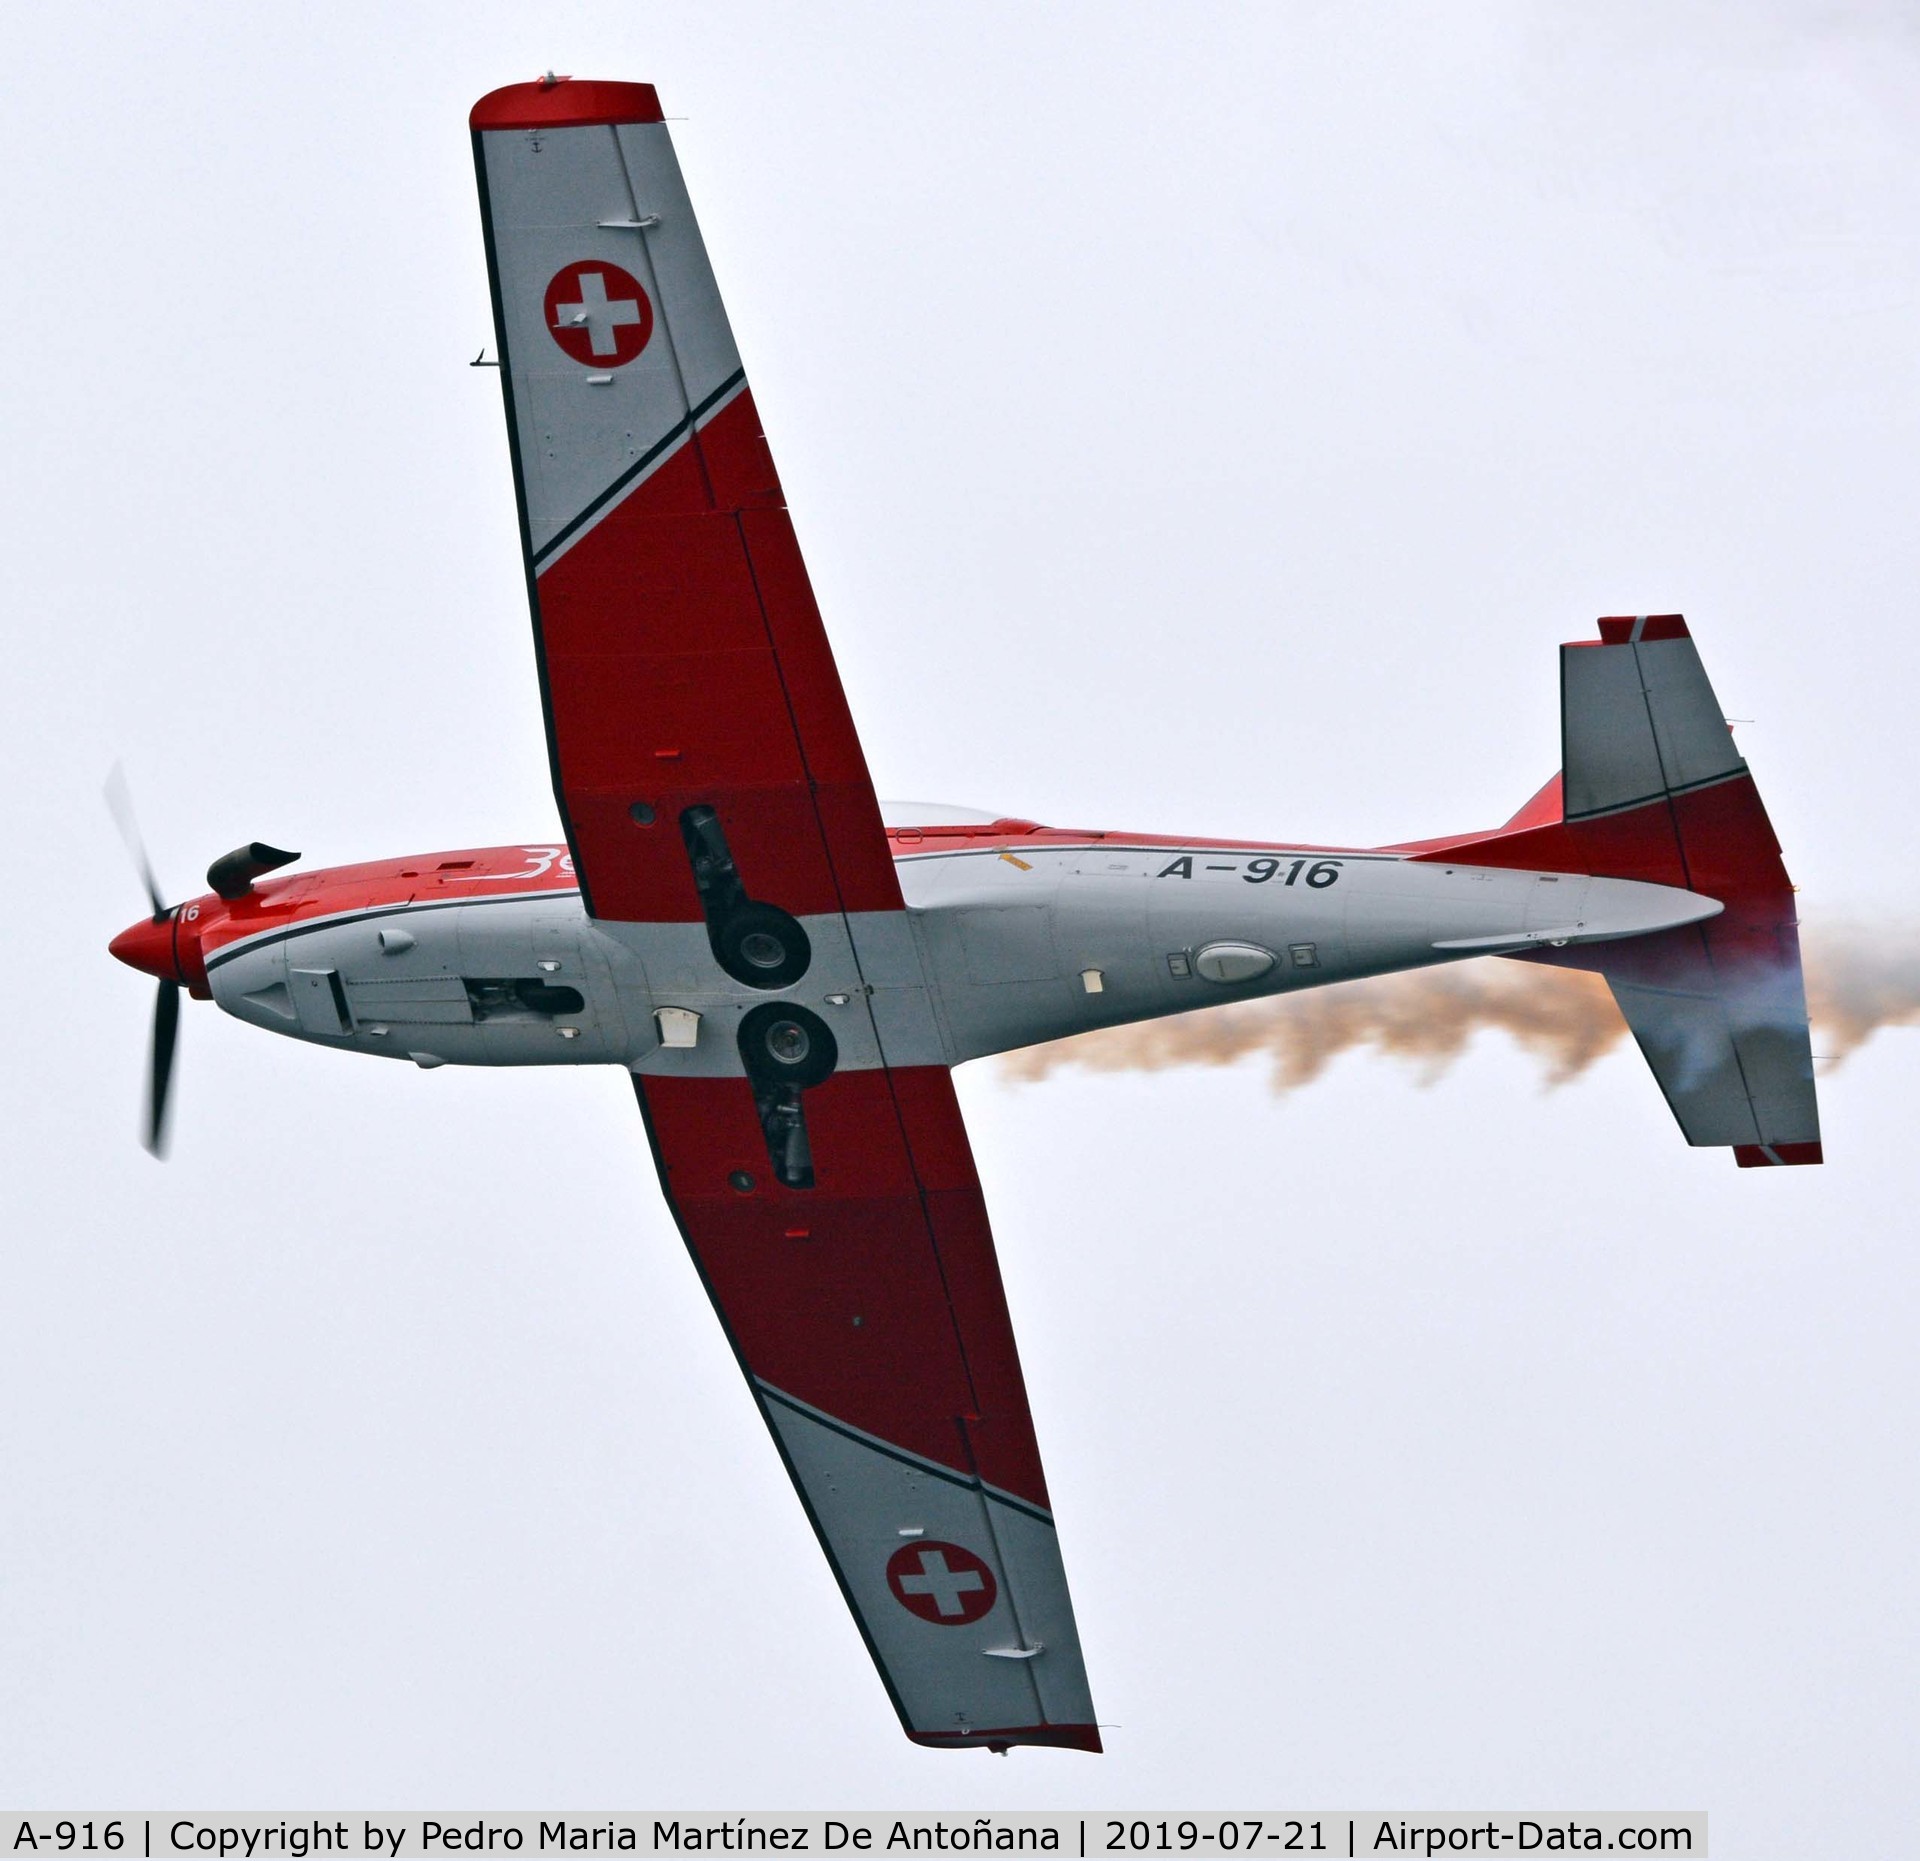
pixel 790 972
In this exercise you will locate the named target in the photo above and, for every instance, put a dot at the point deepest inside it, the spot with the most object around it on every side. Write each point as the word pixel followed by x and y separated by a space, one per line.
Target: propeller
pixel 166 1034
pixel 166 1004
pixel 168 946
pixel 120 806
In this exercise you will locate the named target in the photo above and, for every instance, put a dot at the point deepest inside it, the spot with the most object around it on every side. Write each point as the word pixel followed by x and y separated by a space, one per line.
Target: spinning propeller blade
pixel 120 806
pixel 166 1034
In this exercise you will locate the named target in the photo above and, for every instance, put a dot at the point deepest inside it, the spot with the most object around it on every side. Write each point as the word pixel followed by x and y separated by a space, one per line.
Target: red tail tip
pixel 1772 1156
pixel 1624 629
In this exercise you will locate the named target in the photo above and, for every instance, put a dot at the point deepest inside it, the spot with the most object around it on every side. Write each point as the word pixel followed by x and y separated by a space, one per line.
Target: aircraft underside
pixel 789 973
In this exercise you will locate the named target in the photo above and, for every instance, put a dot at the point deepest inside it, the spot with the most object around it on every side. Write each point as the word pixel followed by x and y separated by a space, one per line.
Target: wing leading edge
pixel 684 668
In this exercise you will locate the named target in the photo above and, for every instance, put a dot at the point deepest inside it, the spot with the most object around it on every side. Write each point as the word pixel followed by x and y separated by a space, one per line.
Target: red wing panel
pixel 852 1295
pixel 869 1317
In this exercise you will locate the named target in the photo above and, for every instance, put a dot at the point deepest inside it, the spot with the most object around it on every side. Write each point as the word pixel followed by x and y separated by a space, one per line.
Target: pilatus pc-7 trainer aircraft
pixel 790 971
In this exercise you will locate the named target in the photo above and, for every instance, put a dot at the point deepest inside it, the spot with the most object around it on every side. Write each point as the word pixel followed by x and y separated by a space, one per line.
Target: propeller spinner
pixel 153 946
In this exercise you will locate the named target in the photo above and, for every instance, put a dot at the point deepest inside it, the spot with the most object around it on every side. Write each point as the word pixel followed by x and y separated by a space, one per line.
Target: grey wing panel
pixel 959 1590
pixel 597 250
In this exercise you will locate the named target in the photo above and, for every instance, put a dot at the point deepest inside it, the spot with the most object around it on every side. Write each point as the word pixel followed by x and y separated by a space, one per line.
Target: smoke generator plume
pixel 1859 980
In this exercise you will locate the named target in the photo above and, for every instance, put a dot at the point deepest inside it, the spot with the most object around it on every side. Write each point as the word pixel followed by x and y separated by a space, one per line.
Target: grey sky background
pixel 1201 418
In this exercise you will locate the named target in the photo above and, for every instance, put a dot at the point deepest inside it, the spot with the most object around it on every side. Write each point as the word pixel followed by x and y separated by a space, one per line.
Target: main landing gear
pixel 786 1049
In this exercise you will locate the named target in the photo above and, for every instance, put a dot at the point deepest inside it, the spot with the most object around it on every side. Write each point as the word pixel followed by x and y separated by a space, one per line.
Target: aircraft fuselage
pixel 1013 934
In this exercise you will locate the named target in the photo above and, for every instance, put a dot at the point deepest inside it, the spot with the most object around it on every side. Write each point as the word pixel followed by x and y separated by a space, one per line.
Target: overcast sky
pixel 1200 418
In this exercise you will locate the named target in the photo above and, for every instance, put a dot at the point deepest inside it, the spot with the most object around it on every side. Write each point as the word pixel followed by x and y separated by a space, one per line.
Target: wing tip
pixel 566 103
pixel 1770 1156
pixel 1003 1737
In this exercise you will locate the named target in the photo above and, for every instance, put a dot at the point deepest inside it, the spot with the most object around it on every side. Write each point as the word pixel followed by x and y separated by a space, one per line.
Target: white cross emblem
pixel 597 314
pixel 945 1586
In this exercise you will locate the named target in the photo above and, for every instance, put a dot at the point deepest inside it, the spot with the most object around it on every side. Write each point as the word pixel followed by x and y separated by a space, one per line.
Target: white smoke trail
pixel 1859 980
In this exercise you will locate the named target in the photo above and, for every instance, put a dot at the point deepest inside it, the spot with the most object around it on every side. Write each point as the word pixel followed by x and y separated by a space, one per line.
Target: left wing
pixel 723 825
pixel 681 655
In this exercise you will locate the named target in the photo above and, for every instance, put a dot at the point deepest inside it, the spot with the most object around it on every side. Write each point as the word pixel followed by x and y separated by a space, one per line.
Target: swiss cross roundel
pixel 598 313
pixel 942 1583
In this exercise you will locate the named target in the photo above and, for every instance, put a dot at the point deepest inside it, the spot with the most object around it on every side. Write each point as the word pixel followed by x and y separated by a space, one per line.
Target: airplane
pixel 790 969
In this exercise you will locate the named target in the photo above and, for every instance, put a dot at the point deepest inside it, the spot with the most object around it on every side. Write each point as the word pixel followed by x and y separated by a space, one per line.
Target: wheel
pixel 762 946
pixel 782 1044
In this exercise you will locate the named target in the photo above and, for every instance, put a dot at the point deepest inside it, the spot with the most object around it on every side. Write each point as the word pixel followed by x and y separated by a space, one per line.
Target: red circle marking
pixel 942 1583
pixel 598 313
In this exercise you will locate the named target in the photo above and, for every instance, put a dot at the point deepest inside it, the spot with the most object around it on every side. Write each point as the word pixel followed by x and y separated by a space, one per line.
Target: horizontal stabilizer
pixel 1638 720
pixel 1652 788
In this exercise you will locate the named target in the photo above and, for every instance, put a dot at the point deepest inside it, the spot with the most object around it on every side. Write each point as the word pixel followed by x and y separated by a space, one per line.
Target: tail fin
pixel 1652 788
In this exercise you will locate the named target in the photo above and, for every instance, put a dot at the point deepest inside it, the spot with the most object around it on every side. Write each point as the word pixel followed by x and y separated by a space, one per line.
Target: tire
pixel 782 1044
pixel 761 946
